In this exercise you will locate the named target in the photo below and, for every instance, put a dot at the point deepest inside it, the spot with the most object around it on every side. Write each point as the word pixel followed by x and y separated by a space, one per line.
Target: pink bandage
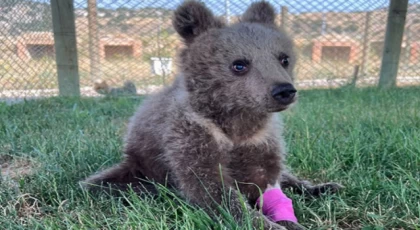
pixel 277 206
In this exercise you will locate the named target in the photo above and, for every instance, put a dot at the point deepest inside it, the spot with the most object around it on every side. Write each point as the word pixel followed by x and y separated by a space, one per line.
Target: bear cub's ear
pixel 193 18
pixel 260 12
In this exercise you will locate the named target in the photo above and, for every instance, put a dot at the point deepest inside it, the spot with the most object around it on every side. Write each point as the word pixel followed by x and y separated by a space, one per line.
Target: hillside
pixel 20 16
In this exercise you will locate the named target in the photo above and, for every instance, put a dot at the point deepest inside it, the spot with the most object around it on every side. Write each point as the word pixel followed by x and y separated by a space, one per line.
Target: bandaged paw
pixel 277 206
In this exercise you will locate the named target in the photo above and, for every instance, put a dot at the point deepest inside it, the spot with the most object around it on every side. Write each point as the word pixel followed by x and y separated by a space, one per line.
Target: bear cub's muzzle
pixel 284 93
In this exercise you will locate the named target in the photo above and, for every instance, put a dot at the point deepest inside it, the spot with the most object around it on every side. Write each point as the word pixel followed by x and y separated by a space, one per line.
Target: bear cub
pixel 215 130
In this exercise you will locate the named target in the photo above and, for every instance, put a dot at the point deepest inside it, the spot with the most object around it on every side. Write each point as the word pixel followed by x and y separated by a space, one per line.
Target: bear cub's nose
pixel 284 93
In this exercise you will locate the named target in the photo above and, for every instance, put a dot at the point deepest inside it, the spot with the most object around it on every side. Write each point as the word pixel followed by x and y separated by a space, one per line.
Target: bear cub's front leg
pixel 278 207
pixel 198 162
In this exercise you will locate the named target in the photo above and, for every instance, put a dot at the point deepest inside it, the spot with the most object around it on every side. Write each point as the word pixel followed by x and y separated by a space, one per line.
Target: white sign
pixel 161 66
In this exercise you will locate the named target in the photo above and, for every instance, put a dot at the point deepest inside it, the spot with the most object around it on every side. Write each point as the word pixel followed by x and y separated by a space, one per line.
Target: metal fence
pixel 337 41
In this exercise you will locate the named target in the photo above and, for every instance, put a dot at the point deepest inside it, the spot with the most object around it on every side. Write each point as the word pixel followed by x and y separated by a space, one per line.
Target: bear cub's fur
pixel 215 128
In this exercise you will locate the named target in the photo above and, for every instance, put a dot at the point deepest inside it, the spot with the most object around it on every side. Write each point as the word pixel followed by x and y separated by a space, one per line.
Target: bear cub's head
pixel 244 67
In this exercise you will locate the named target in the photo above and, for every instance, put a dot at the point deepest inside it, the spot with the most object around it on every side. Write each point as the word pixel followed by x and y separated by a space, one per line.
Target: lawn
pixel 366 139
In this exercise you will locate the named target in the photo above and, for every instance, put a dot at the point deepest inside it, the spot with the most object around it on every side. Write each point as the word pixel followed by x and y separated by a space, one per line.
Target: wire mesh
pixel 337 41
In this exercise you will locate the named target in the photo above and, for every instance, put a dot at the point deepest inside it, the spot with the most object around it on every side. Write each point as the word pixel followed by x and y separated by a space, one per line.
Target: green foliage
pixel 351 28
pixel 337 29
pixel 37 16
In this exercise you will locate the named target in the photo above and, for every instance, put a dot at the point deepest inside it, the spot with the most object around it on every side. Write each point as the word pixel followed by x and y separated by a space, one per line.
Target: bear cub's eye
pixel 240 66
pixel 284 60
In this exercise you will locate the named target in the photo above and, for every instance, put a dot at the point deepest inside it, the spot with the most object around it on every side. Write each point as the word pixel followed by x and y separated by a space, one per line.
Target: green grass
pixel 366 139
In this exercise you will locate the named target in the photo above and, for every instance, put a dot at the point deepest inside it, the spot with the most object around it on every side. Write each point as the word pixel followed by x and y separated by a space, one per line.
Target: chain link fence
pixel 338 42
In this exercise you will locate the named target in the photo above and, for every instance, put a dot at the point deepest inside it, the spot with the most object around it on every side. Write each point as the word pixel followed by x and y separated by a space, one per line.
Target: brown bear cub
pixel 215 129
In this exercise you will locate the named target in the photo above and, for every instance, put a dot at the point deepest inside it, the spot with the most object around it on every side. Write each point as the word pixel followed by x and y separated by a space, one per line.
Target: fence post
pixel 93 40
pixel 392 46
pixel 65 47
pixel 366 45
pixel 407 47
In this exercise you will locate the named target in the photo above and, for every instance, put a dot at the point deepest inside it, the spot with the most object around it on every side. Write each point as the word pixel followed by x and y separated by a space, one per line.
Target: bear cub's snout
pixel 284 93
